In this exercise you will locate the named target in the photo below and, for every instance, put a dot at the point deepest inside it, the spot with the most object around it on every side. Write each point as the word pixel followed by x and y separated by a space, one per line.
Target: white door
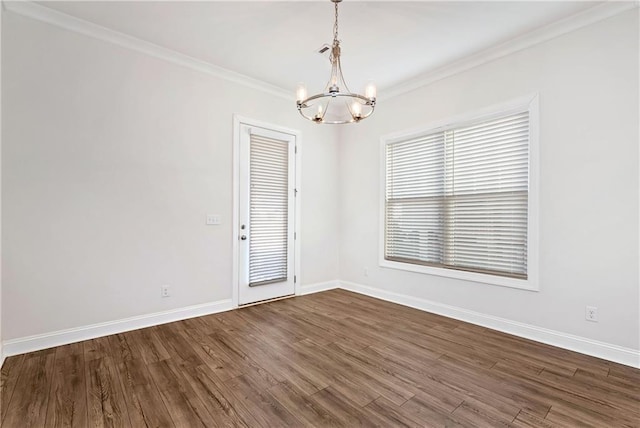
pixel 266 214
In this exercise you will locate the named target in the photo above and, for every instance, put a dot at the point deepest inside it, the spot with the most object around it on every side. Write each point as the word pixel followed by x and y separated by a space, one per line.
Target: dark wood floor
pixel 329 359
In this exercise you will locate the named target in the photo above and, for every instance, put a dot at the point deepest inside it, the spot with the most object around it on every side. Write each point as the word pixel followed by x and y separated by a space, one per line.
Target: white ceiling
pixel 385 41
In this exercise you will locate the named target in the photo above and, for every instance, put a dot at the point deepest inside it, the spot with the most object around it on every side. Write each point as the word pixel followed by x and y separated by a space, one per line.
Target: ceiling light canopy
pixel 336 104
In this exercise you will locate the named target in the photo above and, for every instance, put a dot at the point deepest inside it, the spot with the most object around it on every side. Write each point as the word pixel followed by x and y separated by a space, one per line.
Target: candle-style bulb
pixel 370 90
pixel 356 110
pixel 301 92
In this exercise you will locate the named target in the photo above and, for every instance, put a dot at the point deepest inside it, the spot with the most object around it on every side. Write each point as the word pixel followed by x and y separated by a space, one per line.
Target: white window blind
pixel 457 198
pixel 268 211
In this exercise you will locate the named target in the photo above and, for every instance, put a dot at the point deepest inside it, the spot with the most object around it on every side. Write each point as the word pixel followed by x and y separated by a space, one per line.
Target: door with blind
pixel 266 214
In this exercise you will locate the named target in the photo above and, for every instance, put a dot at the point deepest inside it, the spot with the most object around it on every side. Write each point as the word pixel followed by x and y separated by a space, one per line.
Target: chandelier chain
pixel 335 26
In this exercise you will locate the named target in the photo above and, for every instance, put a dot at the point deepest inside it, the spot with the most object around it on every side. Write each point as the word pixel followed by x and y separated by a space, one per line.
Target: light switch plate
pixel 213 219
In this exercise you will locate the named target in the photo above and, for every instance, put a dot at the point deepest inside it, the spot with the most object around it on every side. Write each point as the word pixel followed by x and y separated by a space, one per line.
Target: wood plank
pixel 619 371
pixel 336 330
pixel 590 406
pixel 28 406
pixel 625 400
pixel 377 309
pixel 269 324
pixel 96 349
pixel 299 327
pixel 180 350
pixel 227 347
pixel 477 413
pixel 393 415
pixel 144 403
pixel 343 381
pixel 345 410
pixel 563 416
pixel 119 348
pixel 485 386
pixel 308 411
pixel 68 395
pixel 533 369
pixel 527 420
pixel 105 399
pixel 270 356
pixel 148 345
pixel 623 386
pixel 215 395
pixel 311 304
pixel 385 384
pixel 438 400
pixel 230 321
pixel 447 384
pixel 8 380
pixel 254 402
pixel 216 360
pixel 517 349
pixel 184 405
pixel 429 411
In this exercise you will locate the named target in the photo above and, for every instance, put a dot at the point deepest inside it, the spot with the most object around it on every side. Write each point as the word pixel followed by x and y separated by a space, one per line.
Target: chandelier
pixel 336 104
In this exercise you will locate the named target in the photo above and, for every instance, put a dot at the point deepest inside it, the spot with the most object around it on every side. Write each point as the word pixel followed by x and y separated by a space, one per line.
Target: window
pixel 457 198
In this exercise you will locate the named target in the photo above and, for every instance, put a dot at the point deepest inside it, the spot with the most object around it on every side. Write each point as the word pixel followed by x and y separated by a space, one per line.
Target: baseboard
pixel 607 351
pixel 64 337
pixel 317 287
pixel 618 354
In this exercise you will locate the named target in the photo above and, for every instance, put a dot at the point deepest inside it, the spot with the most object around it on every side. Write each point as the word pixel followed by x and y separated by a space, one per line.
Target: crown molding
pixel 548 32
pixel 71 23
pixel 574 22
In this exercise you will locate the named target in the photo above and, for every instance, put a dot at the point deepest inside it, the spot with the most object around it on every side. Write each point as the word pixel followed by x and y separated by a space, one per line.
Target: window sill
pixel 522 284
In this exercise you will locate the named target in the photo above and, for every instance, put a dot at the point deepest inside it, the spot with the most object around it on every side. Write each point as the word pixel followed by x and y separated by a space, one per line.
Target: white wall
pixel 111 161
pixel 588 90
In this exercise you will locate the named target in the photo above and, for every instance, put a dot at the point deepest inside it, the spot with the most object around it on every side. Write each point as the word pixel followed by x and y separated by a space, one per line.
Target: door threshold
pixel 275 299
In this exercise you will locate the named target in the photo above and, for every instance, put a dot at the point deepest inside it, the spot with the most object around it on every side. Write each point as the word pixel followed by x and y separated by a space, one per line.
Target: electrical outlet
pixel 165 291
pixel 366 271
pixel 591 314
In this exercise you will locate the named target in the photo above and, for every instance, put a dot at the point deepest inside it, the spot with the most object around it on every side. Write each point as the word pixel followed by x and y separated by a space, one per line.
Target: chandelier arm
pixel 344 82
pixel 348 105
pixel 367 101
pixel 334 122
pixel 334 72
pixel 324 111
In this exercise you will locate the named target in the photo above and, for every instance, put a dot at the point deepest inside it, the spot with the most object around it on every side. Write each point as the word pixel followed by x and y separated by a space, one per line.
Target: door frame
pixel 239 120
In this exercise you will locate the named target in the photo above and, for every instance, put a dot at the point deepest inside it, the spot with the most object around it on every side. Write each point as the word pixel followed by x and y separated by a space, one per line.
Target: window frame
pixel 527 103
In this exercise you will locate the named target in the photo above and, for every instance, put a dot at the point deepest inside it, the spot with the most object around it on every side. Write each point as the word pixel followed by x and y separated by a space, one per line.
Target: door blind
pixel 458 198
pixel 268 210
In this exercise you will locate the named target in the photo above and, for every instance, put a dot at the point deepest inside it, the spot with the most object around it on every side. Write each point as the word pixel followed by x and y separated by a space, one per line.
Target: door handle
pixel 243 237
